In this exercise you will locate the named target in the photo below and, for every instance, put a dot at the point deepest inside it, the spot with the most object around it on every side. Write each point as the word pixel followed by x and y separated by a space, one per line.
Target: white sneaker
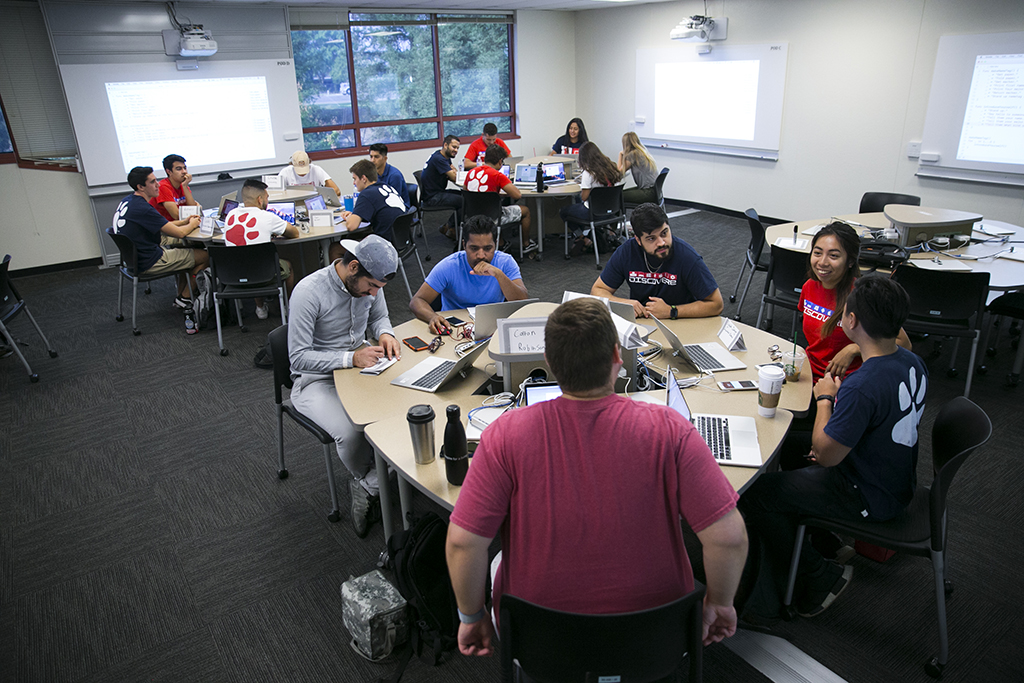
pixel 263 312
pixel 531 246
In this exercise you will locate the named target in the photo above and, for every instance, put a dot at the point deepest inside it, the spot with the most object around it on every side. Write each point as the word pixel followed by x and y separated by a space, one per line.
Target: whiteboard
pixel 728 101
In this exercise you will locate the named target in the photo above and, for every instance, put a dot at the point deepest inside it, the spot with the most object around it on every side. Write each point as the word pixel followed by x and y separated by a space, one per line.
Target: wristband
pixel 674 314
pixel 830 399
pixel 472 618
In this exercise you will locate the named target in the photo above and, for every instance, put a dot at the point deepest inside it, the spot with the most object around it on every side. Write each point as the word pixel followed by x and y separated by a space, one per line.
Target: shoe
pixel 263 312
pixel 182 302
pixel 529 247
pixel 202 297
pixel 448 231
pixel 815 601
pixel 845 554
pixel 577 248
pixel 365 508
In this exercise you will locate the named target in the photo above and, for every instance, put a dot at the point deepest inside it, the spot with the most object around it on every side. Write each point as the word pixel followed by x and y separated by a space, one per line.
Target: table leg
pixel 385 493
pixel 404 499
pixel 540 229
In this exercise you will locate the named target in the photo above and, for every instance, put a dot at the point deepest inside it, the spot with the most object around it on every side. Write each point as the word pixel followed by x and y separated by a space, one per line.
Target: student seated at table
pixel 584 529
pixel 667 277
pixel 302 172
pixel 159 243
pixel 572 141
pixel 478 274
pixel 175 190
pixel 377 206
pixel 251 223
pixel 487 177
pixel 434 182
pixel 478 148
pixel 635 158
pixel 864 457
pixel 388 174
pixel 598 171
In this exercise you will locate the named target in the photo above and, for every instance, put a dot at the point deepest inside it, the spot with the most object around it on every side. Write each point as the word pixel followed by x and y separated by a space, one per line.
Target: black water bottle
pixel 540 177
pixel 456 455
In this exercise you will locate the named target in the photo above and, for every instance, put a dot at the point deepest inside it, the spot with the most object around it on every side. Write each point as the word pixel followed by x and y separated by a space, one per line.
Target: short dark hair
pixel 647 218
pixel 252 188
pixel 490 129
pixel 880 304
pixel 480 225
pixel 365 169
pixel 138 176
pixel 449 138
pixel 579 341
pixel 495 154
pixel 380 148
pixel 170 159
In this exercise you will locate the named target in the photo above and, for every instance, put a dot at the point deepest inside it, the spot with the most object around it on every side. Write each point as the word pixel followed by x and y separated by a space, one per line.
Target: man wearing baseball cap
pixel 302 172
pixel 331 313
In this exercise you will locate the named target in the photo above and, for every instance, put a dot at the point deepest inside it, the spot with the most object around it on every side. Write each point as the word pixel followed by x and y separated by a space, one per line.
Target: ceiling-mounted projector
pixel 191 41
pixel 700 29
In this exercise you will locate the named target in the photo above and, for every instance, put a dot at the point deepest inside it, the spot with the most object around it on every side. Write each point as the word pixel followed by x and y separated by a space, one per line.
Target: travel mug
pixel 421 426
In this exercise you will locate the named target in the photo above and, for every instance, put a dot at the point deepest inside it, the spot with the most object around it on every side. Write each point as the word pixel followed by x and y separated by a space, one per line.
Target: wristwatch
pixel 674 314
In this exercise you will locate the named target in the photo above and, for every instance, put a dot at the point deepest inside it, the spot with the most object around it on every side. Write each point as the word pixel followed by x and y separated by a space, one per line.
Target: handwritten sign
pixel 521 335
pixel 274 182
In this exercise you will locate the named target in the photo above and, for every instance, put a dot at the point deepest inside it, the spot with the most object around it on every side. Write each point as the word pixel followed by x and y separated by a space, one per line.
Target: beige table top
pixel 313 234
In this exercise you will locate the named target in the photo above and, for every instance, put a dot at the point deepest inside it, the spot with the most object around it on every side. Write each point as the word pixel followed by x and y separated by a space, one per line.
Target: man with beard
pixel 479 274
pixel 434 182
pixel 667 277
pixel 331 312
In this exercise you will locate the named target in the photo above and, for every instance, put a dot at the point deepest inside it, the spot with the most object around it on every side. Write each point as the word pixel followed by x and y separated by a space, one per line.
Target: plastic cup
pixel 769 388
pixel 792 364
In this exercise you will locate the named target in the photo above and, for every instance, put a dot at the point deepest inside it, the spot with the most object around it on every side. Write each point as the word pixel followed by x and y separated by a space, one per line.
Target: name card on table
pixel 186 211
pixel 321 218
pixel 274 182
pixel 521 335
pixel 731 336
pixel 206 227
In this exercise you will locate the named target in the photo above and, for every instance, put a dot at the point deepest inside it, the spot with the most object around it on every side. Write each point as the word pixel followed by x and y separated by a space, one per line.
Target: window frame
pixel 12 156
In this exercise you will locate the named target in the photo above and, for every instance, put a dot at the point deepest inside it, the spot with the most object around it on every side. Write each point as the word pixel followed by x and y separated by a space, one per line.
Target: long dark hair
pixel 583 130
pixel 592 159
pixel 849 241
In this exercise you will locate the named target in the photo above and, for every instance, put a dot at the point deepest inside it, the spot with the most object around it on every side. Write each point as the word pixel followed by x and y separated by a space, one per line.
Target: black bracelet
pixel 830 399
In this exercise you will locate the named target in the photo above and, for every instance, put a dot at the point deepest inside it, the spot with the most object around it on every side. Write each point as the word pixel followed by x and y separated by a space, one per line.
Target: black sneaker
pixel 815 599
pixel 365 508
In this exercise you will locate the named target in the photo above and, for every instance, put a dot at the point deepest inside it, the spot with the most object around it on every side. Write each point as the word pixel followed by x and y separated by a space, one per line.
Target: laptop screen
pixel 506 170
pixel 555 171
pixel 527 173
pixel 316 203
pixel 229 206
pixel 285 210
pixel 538 393
pixel 675 398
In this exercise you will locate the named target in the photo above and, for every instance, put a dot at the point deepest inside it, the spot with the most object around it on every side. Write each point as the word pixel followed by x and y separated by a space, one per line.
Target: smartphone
pixel 455 322
pixel 415 343
pixel 737 385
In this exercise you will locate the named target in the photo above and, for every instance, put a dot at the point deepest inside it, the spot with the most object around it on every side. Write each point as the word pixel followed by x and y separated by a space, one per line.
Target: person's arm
pixel 378 326
pixel 186 189
pixel 512 290
pixel 845 356
pixel 827 451
pixel 709 306
pixel 181 228
pixel 602 289
pixel 290 230
pixel 172 210
pixel 466 553
pixel 468 163
pixel 302 316
pixel 584 194
pixel 512 191
pixel 333 185
pixel 352 220
pixel 422 309
pixel 725 552
pixel 623 162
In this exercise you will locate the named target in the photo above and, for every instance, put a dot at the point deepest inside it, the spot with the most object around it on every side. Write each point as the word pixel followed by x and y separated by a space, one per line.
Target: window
pixel 406 80
pixel 6 146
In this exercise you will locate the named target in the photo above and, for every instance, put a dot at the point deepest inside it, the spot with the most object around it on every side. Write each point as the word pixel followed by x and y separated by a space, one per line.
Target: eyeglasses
pixel 774 353
pixel 435 344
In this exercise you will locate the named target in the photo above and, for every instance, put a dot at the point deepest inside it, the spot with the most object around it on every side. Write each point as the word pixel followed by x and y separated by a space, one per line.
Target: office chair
pixel 640 647
pixel 245 272
pixel 129 269
pixel 874 202
pixel 752 258
pixel 11 304
pixel 401 238
pixel 283 378
pixel 1009 306
pixel 484 204
pixel 960 428
pixel 414 203
pixel 422 209
pixel 659 185
pixel 787 273
pixel 949 304
pixel 606 209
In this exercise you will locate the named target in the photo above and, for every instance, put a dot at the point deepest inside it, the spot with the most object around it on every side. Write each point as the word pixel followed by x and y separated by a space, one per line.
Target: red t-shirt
pixel 588 496
pixel 483 178
pixel 168 194
pixel 478 147
pixel 817 304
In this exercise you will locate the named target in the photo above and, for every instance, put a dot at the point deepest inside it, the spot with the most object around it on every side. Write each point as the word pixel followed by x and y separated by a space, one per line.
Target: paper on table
pixel 992 230
pixel 790 242
pixel 941 264
pixel 813 230
pixel 731 337
pixel 1014 255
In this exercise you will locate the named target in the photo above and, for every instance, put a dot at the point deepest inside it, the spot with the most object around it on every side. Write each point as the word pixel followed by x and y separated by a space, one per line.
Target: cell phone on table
pixel 415 343
pixel 455 322
pixel 737 385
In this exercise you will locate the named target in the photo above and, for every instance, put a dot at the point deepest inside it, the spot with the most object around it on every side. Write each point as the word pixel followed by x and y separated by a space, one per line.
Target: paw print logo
pixel 119 219
pixel 392 198
pixel 477 180
pixel 239 228
pixel 911 398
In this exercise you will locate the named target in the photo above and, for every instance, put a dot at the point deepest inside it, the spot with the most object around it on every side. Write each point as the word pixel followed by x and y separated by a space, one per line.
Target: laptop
pixel 285 210
pixel 705 357
pixel 526 174
pixel 316 203
pixel 328 193
pixel 226 207
pixel 731 438
pixel 432 373
pixel 625 311
pixel 540 392
pixel 486 316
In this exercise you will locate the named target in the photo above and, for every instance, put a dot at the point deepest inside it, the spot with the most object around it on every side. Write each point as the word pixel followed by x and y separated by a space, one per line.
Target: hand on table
pixel 438 325
pixel 367 356
pixel 392 349
pixel 657 308
pixel 639 310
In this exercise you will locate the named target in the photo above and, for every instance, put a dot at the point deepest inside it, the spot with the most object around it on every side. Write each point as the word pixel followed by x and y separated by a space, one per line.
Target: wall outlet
pixel 913 150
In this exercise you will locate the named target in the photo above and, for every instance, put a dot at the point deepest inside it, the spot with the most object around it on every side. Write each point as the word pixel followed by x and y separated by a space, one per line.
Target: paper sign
pixel 321 218
pixel 731 336
pixel 206 227
pixel 187 211
pixel 274 182
pixel 521 335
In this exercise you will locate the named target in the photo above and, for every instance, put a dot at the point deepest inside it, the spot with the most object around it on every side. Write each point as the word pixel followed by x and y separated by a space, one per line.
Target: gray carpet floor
pixel 144 534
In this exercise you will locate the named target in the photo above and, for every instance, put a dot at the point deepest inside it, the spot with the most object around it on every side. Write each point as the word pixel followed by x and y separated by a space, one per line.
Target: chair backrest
pixel 551 645
pixel 252 264
pixel 481 204
pixel 9 297
pixel 401 234
pixel 659 185
pixel 605 202
pixel 959 428
pixel 419 177
pixel 278 339
pixel 943 297
pixel 787 270
pixel 129 255
pixel 414 193
pixel 756 245
pixel 873 202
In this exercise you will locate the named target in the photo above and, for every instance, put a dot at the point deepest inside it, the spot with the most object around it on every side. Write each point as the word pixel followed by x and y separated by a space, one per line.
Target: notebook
pixel 431 373
pixel 731 438
pixel 486 316
pixel 705 357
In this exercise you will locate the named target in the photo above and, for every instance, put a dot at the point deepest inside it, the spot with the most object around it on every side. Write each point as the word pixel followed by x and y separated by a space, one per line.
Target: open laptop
pixel 526 174
pixel 705 357
pixel 539 392
pixel 328 193
pixel 731 438
pixel 486 316
pixel 285 210
pixel 226 207
pixel 431 373
pixel 316 203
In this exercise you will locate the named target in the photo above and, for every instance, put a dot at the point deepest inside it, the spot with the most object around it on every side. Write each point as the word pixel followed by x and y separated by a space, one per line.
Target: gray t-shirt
pixel 644 172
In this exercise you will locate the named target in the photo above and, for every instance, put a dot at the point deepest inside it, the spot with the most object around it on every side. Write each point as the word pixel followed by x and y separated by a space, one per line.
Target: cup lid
pixel 420 414
pixel 771 372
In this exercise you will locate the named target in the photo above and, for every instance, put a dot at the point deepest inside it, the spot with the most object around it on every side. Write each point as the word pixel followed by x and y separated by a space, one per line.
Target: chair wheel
pixel 1012 380
pixel 952 372
pixel 119 318
pixel 933 668
pixel 737 317
pixel 981 370
pixel 334 516
pixel 243 328
pixel 947 586
pixel 426 258
pixel 282 474
pixel 990 352
pixel 732 299
pixel 33 378
pixel 788 613
pixel 567 257
pixel 136 332
pixel 223 352
pixel 598 266
pixel 53 354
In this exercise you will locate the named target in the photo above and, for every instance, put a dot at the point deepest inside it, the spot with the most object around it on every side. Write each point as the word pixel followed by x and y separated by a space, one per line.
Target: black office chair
pixel 422 209
pixel 283 378
pixel 606 209
pixel 245 272
pixel 948 304
pixel 11 304
pixel 414 204
pixel 874 202
pixel 787 273
pixel 752 258
pixel 640 647
pixel 659 186
pixel 959 428
pixel 401 238
pixel 1006 306
pixel 129 269
pixel 484 204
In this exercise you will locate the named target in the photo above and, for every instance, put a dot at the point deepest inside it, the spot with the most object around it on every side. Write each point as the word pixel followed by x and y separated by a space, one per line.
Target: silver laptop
pixel 705 357
pixel 731 438
pixel 328 193
pixel 624 310
pixel 432 373
pixel 526 174
pixel 486 316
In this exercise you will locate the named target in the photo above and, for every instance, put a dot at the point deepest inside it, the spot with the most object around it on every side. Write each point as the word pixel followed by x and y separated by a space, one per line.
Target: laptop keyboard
pixel 704 360
pixel 430 379
pixel 715 431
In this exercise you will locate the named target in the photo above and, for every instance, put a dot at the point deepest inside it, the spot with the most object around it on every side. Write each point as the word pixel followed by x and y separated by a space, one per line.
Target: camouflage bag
pixel 376 615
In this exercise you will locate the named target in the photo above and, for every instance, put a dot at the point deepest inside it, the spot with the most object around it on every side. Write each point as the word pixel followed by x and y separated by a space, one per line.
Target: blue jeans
pixel 447 198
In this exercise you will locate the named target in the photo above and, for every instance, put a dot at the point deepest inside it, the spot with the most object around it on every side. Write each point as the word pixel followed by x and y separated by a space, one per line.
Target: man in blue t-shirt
pixel 864 459
pixel 388 174
pixel 434 181
pixel 480 274
pixel 667 278
pixel 159 245
pixel 377 206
